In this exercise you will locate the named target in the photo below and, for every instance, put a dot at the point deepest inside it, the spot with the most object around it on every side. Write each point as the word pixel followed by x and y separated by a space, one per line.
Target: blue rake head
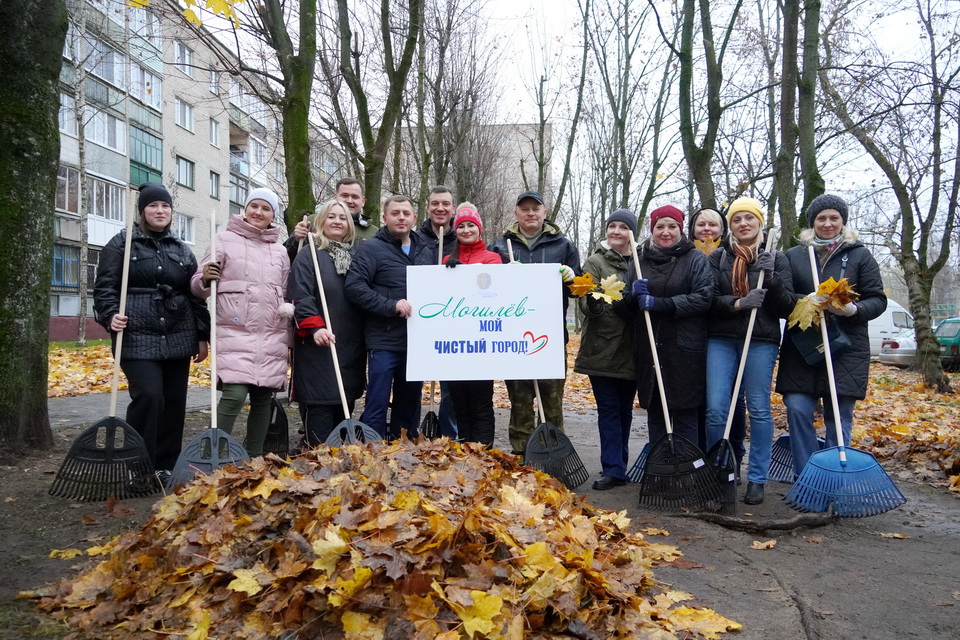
pixel 852 488
pixel 781 459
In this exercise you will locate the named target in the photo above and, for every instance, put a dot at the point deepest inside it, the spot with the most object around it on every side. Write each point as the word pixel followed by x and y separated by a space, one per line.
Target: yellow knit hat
pixel 750 205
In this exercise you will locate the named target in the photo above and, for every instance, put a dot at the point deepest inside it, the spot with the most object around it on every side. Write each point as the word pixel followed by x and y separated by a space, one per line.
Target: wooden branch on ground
pixel 766 524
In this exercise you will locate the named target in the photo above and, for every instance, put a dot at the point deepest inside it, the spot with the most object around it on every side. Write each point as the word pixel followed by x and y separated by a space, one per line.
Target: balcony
pixel 239 164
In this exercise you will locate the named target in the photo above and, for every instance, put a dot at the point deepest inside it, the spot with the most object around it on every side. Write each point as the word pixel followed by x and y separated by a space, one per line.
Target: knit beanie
pixel 626 217
pixel 268 196
pixel 749 205
pixel 824 202
pixel 667 211
pixel 709 214
pixel 152 192
pixel 468 215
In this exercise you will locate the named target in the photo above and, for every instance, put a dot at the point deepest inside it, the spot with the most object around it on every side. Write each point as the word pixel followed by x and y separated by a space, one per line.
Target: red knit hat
pixel 668 211
pixel 468 214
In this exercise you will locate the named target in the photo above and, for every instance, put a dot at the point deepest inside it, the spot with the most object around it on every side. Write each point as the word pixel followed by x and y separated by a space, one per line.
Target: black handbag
pixel 810 342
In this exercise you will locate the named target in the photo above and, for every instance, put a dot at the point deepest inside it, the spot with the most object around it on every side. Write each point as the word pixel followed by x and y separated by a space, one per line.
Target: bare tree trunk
pixel 813 184
pixel 29 103
pixel 783 165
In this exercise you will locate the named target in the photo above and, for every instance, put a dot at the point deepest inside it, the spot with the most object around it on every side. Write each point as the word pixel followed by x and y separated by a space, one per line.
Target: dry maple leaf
pixel 582 285
pixel 805 314
pixel 707 246
pixel 611 289
pixel 769 544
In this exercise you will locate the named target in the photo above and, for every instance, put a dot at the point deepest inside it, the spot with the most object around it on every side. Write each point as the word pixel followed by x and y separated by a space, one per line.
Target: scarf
pixel 826 247
pixel 742 256
pixel 341 256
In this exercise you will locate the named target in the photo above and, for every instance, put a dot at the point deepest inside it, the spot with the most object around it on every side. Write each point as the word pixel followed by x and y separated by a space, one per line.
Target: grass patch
pixel 71 345
pixel 21 619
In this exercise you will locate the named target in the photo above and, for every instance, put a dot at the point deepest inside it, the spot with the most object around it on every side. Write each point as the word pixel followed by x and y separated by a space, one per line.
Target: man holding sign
pixel 534 239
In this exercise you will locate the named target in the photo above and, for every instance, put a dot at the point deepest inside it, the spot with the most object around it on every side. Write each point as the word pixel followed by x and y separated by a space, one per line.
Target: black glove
pixel 766 263
pixel 211 271
pixel 752 300
pixel 595 306
pixel 452 262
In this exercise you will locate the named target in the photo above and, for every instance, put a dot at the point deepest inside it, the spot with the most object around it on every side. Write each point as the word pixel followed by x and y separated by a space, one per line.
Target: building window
pixel 66 266
pixel 105 129
pixel 68 114
pixel 146 87
pixel 215 83
pixel 103 61
pixel 238 193
pixel 105 200
pixel 146 149
pixel 183 114
pixel 214 185
pixel 183 58
pixel 258 152
pixel 214 133
pixel 278 174
pixel 68 190
pixel 93 261
pixel 183 227
pixel 146 25
pixel 185 170
pixel 113 9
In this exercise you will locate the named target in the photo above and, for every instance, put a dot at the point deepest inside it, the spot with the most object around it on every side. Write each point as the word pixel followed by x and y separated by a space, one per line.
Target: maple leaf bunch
pixel 608 289
pixel 429 540
pixel 831 294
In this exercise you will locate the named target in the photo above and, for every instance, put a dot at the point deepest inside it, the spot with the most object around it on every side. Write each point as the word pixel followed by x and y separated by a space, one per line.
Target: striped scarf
pixel 743 256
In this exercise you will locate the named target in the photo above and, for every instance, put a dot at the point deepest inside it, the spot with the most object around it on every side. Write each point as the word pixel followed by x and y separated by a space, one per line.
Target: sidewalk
pixel 73 411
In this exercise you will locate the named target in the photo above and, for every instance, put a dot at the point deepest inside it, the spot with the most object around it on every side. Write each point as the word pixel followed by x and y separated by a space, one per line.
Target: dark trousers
pixel 684 422
pixel 473 404
pixel 738 429
pixel 319 420
pixel 446 414
pixel 386 371
pixel 614 416
pixel 158 403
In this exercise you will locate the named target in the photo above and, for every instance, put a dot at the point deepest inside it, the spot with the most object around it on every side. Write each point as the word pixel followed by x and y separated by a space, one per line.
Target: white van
pixel 894 322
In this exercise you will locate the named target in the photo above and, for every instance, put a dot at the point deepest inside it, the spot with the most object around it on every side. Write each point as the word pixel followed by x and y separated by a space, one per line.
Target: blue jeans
pixel 803 435
pixel 446 414
pixel 387 370
pixel 614 417
pixel 723 360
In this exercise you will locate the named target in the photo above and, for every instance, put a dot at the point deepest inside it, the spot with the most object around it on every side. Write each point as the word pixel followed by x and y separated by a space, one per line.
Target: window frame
pixel 183 114
pixel 185 164
pixel 183 57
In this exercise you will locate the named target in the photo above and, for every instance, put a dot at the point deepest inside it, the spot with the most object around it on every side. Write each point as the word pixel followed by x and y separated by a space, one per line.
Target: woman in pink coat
pixel 253 321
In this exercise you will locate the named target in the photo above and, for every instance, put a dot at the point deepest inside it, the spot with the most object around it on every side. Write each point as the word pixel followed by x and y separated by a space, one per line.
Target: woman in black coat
pixel 839 255
pixel 677 288
pixel 165 323
pixel 314 384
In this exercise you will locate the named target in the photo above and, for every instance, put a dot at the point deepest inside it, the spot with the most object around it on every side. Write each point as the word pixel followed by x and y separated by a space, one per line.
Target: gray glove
pixel 766 263
pixel 753 299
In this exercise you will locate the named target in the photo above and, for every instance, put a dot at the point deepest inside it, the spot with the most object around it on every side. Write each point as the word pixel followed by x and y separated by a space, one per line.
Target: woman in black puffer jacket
pixel 164 327
pixel 839 255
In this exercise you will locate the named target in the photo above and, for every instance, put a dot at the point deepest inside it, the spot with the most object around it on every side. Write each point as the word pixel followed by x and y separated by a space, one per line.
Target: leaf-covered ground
pixel 904 424
pixel 421 541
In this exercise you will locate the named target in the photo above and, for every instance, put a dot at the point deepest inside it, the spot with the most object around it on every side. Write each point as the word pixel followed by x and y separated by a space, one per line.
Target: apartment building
pixel 142 99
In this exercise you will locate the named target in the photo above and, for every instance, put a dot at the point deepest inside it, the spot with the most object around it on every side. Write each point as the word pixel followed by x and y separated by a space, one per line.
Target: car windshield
pixel 902 319
pixel 948 329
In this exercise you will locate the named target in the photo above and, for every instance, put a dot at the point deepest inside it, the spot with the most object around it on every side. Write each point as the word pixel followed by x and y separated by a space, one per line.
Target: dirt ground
pixel 843 580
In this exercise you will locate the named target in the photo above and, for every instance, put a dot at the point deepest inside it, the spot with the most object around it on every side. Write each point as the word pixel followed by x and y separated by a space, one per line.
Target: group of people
pixel 697 290
pixel 346 302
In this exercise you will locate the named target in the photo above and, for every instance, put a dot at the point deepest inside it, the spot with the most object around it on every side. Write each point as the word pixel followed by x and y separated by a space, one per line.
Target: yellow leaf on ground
pixel 703 621
pixel 329 548
pixel 898 536
pixel 360 626
pixel 769 544
pixel 245 582
pixel 202 618
pixel 64 553
pixel 478 617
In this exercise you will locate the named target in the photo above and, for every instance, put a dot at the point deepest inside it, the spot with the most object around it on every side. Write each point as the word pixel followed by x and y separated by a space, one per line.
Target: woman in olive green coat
pixel 606 350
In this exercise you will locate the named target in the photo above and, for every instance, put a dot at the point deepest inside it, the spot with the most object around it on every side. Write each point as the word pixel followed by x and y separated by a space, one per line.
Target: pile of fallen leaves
pixel 431 541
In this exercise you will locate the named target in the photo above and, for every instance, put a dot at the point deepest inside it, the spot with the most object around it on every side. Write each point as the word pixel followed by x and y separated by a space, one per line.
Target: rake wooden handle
pixel 124 282
pixel 828 358
pixel 653 344
pixel 213 323
pixel 326 318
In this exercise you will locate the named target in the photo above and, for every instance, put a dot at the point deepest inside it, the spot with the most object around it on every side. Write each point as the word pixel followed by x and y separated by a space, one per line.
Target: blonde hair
pixel 323 212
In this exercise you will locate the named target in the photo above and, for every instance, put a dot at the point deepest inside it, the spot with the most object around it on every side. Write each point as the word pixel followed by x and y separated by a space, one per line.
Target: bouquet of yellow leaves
pixel 832 294
pixel 608 289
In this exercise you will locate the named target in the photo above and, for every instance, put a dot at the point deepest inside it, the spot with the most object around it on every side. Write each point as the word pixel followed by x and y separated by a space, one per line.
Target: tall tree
pixel 29 102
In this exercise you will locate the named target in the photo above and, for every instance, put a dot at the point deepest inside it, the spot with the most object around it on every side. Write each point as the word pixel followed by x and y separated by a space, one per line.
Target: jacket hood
pixel 850 236
pixel 604 249
pixel 241 227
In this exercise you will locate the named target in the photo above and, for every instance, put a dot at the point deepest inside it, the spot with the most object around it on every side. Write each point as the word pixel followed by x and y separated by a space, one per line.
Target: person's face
pixel 440 209
pixel 745 227
pixel 335 226
pixel 530 214
pixel 352 196
pixel 666 233
pixel 704 228
pixel 828 224
pixel 399 218
pixel 157 215
pixel 468 232
pixel 618 236
pixel 259 213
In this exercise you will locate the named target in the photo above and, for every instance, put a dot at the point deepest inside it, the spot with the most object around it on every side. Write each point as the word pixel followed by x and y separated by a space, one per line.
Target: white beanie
pixel 262 193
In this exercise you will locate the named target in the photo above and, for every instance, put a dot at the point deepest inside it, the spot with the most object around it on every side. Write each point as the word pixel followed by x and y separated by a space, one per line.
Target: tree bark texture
pixel 30 63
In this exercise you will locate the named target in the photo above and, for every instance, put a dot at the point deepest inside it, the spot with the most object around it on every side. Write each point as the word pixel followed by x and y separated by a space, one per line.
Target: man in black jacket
pixel 377 283
pixel 535 239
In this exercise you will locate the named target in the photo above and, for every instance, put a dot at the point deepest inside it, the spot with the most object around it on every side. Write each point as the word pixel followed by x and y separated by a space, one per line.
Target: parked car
pixel 889 325
pixel 900 351
pixel 948 335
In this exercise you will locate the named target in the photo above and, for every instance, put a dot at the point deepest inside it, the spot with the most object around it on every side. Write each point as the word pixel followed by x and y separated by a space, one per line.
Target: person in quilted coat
pixel 164 326
pixel 253 320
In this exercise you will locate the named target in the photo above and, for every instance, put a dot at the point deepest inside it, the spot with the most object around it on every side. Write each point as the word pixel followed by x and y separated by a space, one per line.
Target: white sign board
pixel 485 322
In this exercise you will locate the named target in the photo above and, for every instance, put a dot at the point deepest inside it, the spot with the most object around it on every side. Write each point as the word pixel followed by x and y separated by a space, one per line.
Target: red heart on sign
pixel 538 342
